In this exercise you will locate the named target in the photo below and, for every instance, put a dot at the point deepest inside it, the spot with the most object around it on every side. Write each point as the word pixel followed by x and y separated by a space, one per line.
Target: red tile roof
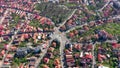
pixel 101 57
pixel 88 56
pixel 46 60
pixel 2 52
pixel 115 45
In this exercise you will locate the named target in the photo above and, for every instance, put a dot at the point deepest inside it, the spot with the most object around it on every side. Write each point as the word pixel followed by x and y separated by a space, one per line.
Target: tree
pixel 35 23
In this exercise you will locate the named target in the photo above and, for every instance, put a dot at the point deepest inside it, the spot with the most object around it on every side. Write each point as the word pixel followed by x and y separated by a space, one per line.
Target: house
pixel 119 65
pixel 81 54
pixel 69 56
pixel 22 52
pixel 115 45
pixel 15 42
pixel 77 56
pixel 2 52
pixel 21 66
pixel 85 27
pixel 67 52
pixel 89 47
pixel 71 34
pixel 70 61
pixel 58 66
pixel 52 1
pixel 62 28
pixel 88 56
pixel 101 57
pixel 83 62
pixel 49 55
pixel 77 47
pixel 75 32
pixel 8 59
pixel 68 46
pixel 74 1
pixel 9 56
pixel 56 62
pixel 116 4
pixel 102 35
pixel 6 46
pixel 70 64
pixel 37 50
pixel 32 62
pixel 46 60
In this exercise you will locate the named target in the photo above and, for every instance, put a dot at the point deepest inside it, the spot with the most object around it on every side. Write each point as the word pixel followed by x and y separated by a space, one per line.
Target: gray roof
pixel 116 4
pixel 22 49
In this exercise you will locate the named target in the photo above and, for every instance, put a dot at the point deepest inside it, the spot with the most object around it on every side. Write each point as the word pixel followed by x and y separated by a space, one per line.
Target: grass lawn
pixel 71 4
pixel 18 61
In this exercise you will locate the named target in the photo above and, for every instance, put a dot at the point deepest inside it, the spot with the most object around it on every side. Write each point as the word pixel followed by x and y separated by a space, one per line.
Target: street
pixel 5 14
pixel 105 5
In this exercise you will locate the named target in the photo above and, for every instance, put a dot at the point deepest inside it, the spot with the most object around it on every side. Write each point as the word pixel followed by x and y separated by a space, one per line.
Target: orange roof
pixel 56 62
pixel 100 57
pixel 43 19
pixel 51 49
pixel 58 66
pixel 9 56
pixel 89 56
pixel 3 52
pixel 38 17
pixel 13 48
pixel 25 36
pixel 21 66
pixel 71 34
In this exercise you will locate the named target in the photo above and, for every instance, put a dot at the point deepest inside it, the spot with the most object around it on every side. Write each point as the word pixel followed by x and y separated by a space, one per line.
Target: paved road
pixel 93 52
pixel 62 38
pixel 56 35
pixel 5 14
pixel 63 42
pixel 76 27
pixel 41 57
pixel 86 23
pixel 68 18
pixel 17 9
pixel 10 43
pixel 105 5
